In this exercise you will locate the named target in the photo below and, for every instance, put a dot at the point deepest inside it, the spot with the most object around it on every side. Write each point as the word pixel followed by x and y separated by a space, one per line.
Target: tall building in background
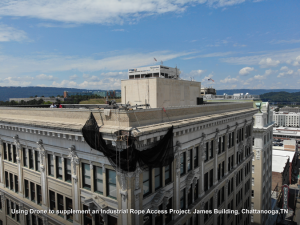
pixel 46 163
pixel 262 162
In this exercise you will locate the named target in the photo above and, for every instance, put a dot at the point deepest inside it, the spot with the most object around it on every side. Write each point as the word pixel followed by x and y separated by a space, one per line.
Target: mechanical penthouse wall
pixel 160 92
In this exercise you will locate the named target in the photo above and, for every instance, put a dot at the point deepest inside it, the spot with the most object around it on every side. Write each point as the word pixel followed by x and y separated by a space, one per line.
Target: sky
pixel 91 44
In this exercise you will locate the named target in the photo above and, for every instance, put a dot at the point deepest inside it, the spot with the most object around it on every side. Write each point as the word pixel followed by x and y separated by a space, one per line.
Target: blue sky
pixel 91 44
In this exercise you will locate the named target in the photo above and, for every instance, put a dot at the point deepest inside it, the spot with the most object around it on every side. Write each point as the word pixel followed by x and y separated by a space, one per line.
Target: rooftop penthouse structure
pixel 154 71
pixel 48 160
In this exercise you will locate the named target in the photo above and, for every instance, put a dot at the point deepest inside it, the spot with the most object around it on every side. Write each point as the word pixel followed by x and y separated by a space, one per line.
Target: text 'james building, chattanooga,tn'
pixel 161 149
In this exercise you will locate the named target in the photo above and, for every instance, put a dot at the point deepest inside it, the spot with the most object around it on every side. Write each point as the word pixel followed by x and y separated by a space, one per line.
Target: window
pixel 206 151
pixel 168 174
pixel 27 219
pixel 60 204
pixel 68 173
pixel 252 193
pixel 52 200
pixel 196 191
pixel 33 219
pixel 32 191
pixel 182 163
pixel 157 178
pixel 190 199
pixel 50 165
pixel 24 158
pixel 182 199
pixel 168 217
pixel 147 182
pixel 12 205
pixel 252 168
pixel 30 158
pixel 14 154
pixel 7 207
pixel 26 183
pixel 39 194
pixel 6 180
pixel 211 149
pixel 196 156
pixel 206 181
pixel 4 150
pixel 111 184
pixel 87 218
pixel 189 160
pixel 11 177
pixel 40 221
pixel 86 176
pixel 37 161
pixel 18 215
pixel 9 153
pixel 16 184
pixel 98 181
pixel 252 181
pixel 211 177
pixel 69 206
pixel 59 172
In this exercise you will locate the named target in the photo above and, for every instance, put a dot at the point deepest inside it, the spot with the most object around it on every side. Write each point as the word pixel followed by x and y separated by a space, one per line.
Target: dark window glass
pixel 14 154
pixel 87 218
pixel 206 151
pixel 157 178
pixel 27 219
pixel 196 191
pixel 7 207
pixel 196 155
pixel 4 150
pixel 26 183
pixel 98 179
pixel 69 206
pixel 6 180
pixel 182 199
pixel 17 215
pixel 60 204
pixel 59 172
pixel 159 216
pixel 147 219
pixel 40 221
pixel 168 175
pixel 168 217
pixel 111 184
pixel 30 158
pixel 182 163
pixel 11 177
pixel 189 160
pixel 13 215
pixel 211 177
pixel 9 152
pixel 0 203
pixel 190 199
pixel 147 182
pixel 37 161
pixel 86 176
pixel 52 200
pixel 211 149
pixel 16 184
pixel 33 219
pixel 32 191
pixel 50 165
pixel 68 173
pixel 39 194
pixel 112 220
pixel 24 158
pixel 206 181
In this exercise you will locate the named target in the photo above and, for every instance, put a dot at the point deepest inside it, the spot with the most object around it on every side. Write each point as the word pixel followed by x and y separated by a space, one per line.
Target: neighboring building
pixel 287 119
pixel 208 91
pixel 290 109
pixel 46 99
pixel 154 71
pixel 262 162
pixel 102 94
pixel 286 133
pixel 45 163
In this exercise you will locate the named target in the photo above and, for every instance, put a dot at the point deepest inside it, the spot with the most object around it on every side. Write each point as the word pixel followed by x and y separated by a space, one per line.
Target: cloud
pixel 45 77
pixel 284 68
pixel 287 73
pixel 215 54
pixel 85 76
pixel 297 62
pixel 103 12
pixel 268 62
pixel 50 25
pixel 246 71
pixel 11 34
pixel 107 83
pixel 10 65
pixel 255 58
pixel 73 77
pixel 264 76
pixel 229 80
pixel 15 81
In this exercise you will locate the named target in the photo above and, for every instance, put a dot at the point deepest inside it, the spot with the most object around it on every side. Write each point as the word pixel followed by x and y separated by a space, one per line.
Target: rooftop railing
pixel 230 97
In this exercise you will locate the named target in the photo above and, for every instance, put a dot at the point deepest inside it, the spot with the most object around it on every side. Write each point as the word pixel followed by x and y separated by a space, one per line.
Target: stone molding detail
pixel 74 158
pixel 227 129
pixel 161 197
pixel 240 147
pixel 42 152
pixel 18 146
pixel 191 178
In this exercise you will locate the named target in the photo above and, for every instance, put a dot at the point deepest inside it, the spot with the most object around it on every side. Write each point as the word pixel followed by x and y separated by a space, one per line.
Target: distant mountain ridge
pixel 26 92
pixel 254 91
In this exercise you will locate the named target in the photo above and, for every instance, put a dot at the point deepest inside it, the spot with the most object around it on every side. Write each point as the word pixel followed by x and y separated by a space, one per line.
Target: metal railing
pixel 230 97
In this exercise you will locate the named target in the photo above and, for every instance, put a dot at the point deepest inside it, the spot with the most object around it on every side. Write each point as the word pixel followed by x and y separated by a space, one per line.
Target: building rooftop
pixel 279 159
